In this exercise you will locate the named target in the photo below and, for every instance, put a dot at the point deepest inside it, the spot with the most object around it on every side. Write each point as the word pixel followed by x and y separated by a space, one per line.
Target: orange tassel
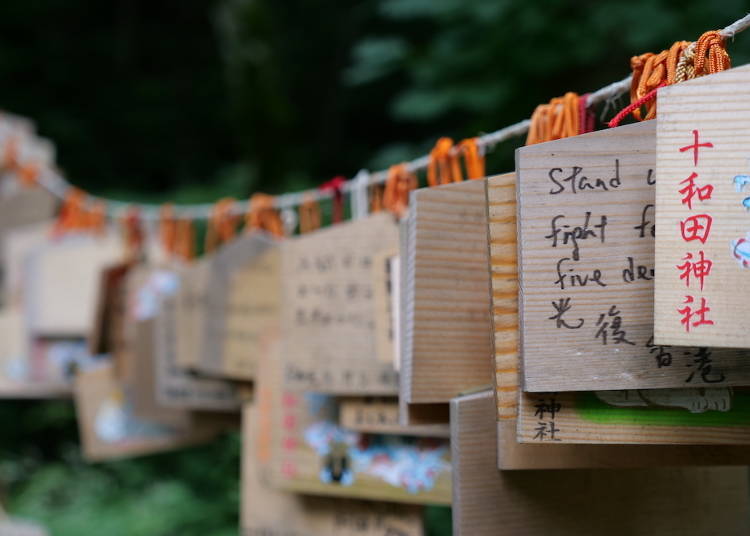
pixel 263 216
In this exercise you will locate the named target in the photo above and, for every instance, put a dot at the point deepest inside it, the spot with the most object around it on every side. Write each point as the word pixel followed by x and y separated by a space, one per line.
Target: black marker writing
pixel 646 224
pixel 576 280
pixel 566 234
pixel 562 306
pixel 636 272
pixel 578 182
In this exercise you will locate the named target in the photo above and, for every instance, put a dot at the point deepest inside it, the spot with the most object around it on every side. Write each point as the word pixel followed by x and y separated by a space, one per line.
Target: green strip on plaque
pixel 591 408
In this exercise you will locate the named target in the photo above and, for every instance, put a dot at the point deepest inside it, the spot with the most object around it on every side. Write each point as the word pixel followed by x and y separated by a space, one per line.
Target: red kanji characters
pixel 290 400
pixel 688 313
pixel 289 469
pixel 696 227
pixel 699 269
pixel 695 147
pixel 690 191
pixel 290 421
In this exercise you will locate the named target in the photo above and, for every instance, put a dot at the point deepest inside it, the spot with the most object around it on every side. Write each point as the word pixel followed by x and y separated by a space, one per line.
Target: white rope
pixel 359 198
pixel 58 186
pixel 736 27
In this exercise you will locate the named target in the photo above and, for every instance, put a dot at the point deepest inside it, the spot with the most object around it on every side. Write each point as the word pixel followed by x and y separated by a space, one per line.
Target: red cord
pixel 622 114
pixel 585 116
pixel 336 184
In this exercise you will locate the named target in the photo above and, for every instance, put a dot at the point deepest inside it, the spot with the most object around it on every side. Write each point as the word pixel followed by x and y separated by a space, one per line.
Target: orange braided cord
pixel 538 131
pixel 309 216
pixel 376 198
pixel 400 182
pixel 185 239
pixel 29 174
pixel 96 218
pixel 221 225
pixel 473 158
pixel 132 230
pixel 225 220
pixel 556 120
pixel 69 217
pixel 675 53
pixel 168 228
pixel 710 54
pixel 566 120
pixel 263 216
pixel 683 61
pixel 10 153
pixel 651 71
pixel 442 166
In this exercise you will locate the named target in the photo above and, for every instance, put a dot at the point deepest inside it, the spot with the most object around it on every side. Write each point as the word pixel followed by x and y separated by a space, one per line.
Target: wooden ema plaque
pixel 695 501
pixel 501 228
pixel 409 413
pixel 446 316
pixel 716 416
pixel 315 455
pixel 381 416
pixel 17 244
pixel 190 307
pixel 142 389
pixel 60 296
pixel 586 261
pixel 109 429
pixel 267 511
pixel 20 375
pixel 159 389
pixel 311 453
pixel 175 387
pixel 23 208
pixel 702 203
pixel 329 311
pixel 544 453
pixel 106 332
pixel 253 306
pixel 243 291
pixel 615 421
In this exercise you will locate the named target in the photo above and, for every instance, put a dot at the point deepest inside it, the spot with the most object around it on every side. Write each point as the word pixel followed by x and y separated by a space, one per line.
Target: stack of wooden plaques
pixel 334 379
pixel 583 381
pixel 445 290
pixel 529 348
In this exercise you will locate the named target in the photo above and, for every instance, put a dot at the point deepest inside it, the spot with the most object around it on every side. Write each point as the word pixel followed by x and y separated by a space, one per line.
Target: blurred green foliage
pixel 194 491
pixel 196 100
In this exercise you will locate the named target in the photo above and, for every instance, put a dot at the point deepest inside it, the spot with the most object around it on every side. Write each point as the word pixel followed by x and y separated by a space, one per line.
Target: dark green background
pixel 193 100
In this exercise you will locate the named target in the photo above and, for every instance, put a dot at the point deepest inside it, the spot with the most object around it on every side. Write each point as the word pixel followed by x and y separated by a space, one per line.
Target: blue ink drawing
pixel 741 246
pixel 741 251
pixel 740 181
pixel 409 463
